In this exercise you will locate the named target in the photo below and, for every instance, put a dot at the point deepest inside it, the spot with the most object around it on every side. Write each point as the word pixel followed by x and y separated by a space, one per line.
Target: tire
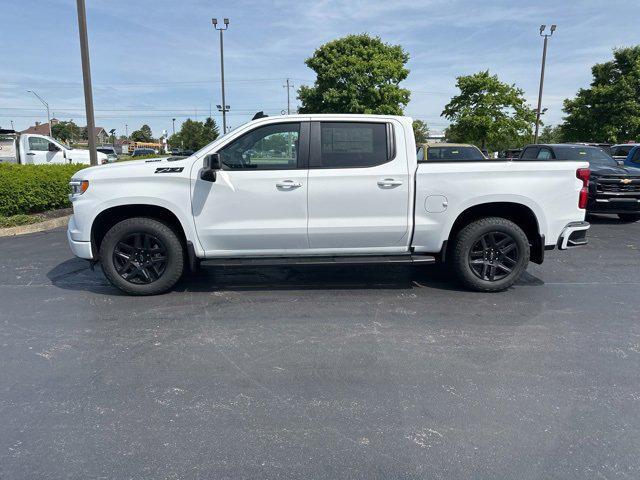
pixel 487 265
pixel 629 217
pixel 142 256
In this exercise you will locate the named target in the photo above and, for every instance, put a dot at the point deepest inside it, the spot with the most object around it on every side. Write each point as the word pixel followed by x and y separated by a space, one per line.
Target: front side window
pixel 420 154
pixel 352 144
pixel 272 147
pixel 38 144
pixel 636 156
pixel 621 150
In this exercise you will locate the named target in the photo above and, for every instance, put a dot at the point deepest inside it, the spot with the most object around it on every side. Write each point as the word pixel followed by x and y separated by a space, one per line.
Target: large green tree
pixel 142 135
pixel 194 135
pixel 608 111
pixel 356 74
pixel 489 113
pixel 66 131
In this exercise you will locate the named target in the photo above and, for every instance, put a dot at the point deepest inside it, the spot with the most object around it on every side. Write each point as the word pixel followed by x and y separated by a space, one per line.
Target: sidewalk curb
pixel 35 227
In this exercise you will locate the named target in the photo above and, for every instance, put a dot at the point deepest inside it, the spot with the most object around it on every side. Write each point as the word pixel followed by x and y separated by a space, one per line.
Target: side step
pixel 319 260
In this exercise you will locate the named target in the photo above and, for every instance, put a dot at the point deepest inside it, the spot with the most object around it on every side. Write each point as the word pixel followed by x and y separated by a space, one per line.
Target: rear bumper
pixel 573 235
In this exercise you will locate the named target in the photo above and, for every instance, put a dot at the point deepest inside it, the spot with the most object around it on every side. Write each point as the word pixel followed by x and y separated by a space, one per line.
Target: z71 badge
pixel 169 169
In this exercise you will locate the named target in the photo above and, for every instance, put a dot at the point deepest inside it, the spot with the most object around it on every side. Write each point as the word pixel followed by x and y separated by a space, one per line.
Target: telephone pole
pixel 86 77
pixel 544 61
pixel 224 108
pixel 288 86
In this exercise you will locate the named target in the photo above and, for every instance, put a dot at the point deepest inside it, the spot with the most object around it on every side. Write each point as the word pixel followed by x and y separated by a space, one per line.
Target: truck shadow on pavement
pixel 76 274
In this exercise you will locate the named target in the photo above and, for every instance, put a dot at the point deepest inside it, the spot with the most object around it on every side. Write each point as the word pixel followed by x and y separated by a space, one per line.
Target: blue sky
pixel 157 60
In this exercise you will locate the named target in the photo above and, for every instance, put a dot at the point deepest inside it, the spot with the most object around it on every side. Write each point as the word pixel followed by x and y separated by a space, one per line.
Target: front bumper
pixel 79 248
pixel 573 235
pixel 610 204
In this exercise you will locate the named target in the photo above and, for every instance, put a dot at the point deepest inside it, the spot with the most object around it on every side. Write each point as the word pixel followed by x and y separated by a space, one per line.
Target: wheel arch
pixel 108 217
pixel 520 214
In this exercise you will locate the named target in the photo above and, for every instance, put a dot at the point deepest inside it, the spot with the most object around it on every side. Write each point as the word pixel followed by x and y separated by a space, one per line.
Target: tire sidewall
pixel 174 252
pixel 470 234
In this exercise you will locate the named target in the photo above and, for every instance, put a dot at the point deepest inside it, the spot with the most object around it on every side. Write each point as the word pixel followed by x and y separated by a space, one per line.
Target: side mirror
pixel 53 147
pixel 210 166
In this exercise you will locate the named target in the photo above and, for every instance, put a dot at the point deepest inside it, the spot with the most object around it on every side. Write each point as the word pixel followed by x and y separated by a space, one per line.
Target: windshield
pixel 593 155
pixel 621 150
pixel 453 154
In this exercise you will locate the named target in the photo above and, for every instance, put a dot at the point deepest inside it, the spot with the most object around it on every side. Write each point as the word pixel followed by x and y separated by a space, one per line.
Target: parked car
pixel 141 152
pixel 620 151
pixel 110 152
pixel 633 158
pixel 27 148
pixel 612 188
pixel 351 191
pixel 511 153
pixel 449 152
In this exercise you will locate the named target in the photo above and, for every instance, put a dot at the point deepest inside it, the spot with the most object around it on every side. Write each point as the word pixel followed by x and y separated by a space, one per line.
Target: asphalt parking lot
pixel 376 372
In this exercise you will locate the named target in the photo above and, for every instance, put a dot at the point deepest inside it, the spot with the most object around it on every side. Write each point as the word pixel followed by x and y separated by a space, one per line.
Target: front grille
pixel 618 185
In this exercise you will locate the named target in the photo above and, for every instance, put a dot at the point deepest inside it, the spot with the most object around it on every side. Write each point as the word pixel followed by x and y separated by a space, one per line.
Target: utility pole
pixel 288 86
pixel 224 108
pixel 544 61
pixel 47 106
pixel 86 77
pixel 126 131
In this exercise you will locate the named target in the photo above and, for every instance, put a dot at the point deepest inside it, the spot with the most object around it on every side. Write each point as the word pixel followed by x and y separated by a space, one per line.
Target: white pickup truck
pixel 309 189
pixel 31 148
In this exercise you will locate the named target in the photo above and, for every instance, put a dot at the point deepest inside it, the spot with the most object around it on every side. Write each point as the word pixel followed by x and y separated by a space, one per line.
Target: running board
pixel 319 260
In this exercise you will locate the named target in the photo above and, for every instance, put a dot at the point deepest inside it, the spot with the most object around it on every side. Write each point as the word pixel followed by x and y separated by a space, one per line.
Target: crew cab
pixel 613 188
pixel 314 189
pixel 29 148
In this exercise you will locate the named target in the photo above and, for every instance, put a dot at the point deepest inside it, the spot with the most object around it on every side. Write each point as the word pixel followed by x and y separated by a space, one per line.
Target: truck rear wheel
pixel 490 254
pixel 142 256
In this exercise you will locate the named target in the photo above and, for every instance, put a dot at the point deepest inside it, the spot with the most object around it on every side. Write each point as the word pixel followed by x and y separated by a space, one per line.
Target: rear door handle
pixel 288 184
pixel 389 182
pixel 30 153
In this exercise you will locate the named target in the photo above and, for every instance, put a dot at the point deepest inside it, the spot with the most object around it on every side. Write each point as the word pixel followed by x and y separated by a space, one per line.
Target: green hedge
pixel 34 188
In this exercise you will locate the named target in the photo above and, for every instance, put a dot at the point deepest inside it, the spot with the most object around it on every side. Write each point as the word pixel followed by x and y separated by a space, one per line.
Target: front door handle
pixel 389 182
pixel 288 184
pixel 30 153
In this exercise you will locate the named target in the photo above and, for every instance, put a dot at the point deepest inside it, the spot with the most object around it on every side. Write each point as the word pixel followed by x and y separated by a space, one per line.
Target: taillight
pixel 583 174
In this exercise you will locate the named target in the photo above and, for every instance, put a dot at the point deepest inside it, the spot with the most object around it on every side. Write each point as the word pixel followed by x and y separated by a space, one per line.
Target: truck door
pixel 41 150
pixel 358 187
pixel 258 203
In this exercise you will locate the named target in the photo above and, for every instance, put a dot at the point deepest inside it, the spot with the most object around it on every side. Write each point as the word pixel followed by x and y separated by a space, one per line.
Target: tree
pixel 420 131
pixel 550 134
pixel 66 131
pixel 489 112
pixel 194 135
pixel 142 135
pixel 356 74
pixel 608 111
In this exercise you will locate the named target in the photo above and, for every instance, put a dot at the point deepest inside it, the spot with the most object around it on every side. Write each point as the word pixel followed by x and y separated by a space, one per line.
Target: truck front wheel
pixel 490 254
pixel 142 256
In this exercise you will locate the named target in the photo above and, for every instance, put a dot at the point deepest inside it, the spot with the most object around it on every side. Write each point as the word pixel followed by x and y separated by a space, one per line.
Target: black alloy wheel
pixel 140 258
pixel 493 256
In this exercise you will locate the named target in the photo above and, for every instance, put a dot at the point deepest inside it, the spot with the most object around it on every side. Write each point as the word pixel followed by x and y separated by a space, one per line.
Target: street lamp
pixel 46 105
pixel 221 29
pixel 173 125
pixel 544 60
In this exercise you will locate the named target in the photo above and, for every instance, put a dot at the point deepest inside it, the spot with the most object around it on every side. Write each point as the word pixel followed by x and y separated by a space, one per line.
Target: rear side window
pixel 544 154
pixel 454 154
pixel 351 145
pixel 420 154
pixel 529 153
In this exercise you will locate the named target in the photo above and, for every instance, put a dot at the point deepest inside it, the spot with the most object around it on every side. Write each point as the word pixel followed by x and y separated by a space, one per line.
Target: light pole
pixel 224 108
pixel 46 105
pixel 288 86
pixel 544 60
pixel 173 125
pixel 12 127
pixel 86 77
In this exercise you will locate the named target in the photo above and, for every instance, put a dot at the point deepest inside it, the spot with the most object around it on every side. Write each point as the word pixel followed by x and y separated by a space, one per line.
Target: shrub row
pixel 34 188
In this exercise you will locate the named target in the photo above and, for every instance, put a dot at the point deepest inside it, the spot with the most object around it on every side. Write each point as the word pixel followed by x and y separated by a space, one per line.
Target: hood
pixel 131 168
pixel 602 170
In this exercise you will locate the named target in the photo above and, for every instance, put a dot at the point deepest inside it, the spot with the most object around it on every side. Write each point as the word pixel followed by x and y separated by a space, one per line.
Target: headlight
pixel 78 187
